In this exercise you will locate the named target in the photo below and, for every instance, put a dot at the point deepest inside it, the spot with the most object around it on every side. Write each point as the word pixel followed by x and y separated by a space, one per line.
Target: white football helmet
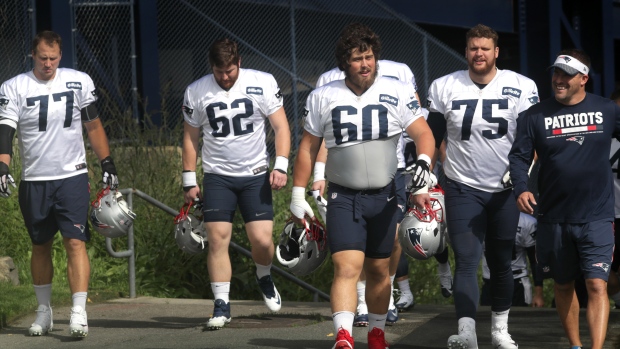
pixel 189 231
pixel 422 234
pixel 110 215
pixel 302 250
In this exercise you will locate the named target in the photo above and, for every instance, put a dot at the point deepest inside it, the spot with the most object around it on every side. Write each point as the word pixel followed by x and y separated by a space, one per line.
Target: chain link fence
pixel 104 47
pixel 16 32
pixel 296 44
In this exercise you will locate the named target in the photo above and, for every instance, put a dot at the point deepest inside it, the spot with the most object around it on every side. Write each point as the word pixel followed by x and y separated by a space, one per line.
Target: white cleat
pixel 43 323
pixel 78 325
pixel 501 339
pixel 466 339
pixel 271 296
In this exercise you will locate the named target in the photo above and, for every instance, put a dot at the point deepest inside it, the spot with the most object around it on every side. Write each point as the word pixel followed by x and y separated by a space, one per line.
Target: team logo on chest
pixel 511 91
pixel 577 139
pixel 388 99
pixel 75 85
pixel 252 90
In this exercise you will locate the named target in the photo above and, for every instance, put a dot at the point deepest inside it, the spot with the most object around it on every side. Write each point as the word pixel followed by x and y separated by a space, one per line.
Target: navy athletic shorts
pixel 50 206
pixel 221 195
pixel 565 249
pixel 401 194
pixel 362 220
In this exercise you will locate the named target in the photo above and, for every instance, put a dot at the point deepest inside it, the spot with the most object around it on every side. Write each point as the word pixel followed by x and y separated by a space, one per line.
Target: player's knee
pixel 596 287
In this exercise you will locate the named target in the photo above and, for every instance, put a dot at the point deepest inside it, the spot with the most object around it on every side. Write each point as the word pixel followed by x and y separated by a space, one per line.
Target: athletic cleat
pixel 445 280
pixel 270 293
pixel 221 315
pixel 376 339
pixel 343 340
pixel 361 318
pixel 405 302
pixel 466 339
pixel 501 339
pixel 78 325
pixel 392 316
pixel 43 323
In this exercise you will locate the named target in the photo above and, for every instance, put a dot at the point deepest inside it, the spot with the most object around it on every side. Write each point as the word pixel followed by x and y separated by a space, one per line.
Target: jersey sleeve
pixel 529 97
pixel 312 115
pixel 528 226
pixel 88 93
pixel 435 102
pixel 190 112
pixel 273 98
pixel 413 109
pixel 8 105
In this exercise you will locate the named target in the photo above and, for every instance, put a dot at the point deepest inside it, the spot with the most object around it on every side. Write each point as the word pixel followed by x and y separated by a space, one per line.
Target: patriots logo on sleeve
pixel 306 112
pixel 428 103
pixel 534 99
pixel 279 94
pixel 3 102
pixel 187 110
pixel 414 106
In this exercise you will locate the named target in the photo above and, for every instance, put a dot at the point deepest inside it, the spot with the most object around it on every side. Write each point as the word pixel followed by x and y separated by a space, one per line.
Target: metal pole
pixel 134 75
pixel 132 257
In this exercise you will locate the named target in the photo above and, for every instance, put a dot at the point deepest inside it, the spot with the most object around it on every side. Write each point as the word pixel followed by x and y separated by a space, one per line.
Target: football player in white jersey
pixel 479 108
pixel 399 267
pixel 231 107
pixel 48 107
pixel 361 119
pixel 525 249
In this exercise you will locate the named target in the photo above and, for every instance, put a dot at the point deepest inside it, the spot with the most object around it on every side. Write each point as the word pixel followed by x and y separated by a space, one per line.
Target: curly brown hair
pixel 223 52
pixel 356 36
pixel 49 37
pixel 482 31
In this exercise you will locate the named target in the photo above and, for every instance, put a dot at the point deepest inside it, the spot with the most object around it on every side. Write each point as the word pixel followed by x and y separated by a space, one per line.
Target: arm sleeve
pixel 190 115
pixel 312 115
pixel 521 154
pixel 437 123
pixel 273 98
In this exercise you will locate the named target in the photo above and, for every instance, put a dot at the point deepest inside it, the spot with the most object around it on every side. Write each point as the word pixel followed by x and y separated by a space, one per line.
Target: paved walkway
pixel 178 323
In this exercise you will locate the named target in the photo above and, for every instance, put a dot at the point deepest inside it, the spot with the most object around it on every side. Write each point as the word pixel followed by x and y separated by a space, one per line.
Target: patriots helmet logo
pixel 566 59
pixel 414 237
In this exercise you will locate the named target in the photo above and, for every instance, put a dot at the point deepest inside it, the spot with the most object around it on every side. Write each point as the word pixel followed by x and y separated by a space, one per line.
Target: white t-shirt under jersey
pixel 480 123
pixel 47 115
pixel 233 121
pixel 391 69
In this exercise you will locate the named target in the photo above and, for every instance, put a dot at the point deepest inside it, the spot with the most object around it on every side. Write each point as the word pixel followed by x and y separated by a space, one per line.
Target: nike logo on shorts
pixel 390 199
pixel 260 214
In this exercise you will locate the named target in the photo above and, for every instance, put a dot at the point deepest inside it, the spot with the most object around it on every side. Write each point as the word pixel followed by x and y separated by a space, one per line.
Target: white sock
pixel 361 292
pixel 392 278
pixel 467 322
pixel 221 290
pixel 499 319
pixel 403 286
pixel 443 268
pixel 79 298
pixel 343 319
pixel 376 320
pixel 262 270
pixel 44 294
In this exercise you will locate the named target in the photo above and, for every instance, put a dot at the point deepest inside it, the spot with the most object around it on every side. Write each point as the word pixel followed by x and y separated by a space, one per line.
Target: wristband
pixel 319 171
pixel 425 158
pixel 298 193
pixel 189 179
pixel 281 164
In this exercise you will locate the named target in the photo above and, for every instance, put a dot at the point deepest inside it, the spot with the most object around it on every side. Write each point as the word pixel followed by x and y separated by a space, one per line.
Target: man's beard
pixel 361 83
